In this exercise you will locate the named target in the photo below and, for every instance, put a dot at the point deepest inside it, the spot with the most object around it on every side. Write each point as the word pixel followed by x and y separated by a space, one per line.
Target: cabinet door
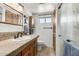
pixel 28 51
pixel 31 49
pixel 35 47
pixel 25 51
pixel 19 54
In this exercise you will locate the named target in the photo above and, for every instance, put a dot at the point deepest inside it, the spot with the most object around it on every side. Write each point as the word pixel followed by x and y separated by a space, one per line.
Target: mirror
pixel 13 18
pixel 9 15
pixel 1 11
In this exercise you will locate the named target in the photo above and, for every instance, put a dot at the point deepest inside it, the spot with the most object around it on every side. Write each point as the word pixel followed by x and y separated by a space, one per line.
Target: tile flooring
pixel 46 52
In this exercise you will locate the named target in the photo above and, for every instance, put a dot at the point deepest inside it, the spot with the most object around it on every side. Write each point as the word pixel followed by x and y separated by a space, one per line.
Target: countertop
pixel 10 45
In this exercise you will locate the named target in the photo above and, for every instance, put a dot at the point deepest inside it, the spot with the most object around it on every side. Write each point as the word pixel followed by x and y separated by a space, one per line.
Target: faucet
pixel 19 34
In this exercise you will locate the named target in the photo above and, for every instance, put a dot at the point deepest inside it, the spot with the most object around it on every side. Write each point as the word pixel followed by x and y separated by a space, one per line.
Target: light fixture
pixel 40 7
pixel 45 7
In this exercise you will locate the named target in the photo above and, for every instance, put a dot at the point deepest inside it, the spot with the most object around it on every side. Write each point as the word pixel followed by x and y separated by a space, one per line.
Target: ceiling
pixel 39 8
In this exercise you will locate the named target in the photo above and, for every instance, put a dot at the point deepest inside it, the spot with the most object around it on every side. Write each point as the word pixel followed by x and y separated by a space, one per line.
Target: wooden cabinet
pixel 19 54
pixel 30 49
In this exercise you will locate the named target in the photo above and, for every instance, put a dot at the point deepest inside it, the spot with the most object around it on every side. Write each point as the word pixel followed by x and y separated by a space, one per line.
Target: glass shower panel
pixel 75 24
pixel 66 21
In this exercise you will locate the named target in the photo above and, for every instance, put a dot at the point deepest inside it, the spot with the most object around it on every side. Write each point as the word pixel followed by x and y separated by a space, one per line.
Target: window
pixel 42 20
pixel 48 20
pixel 45 20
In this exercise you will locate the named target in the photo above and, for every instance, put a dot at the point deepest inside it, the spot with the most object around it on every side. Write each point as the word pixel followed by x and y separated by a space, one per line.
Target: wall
pixel 35 20
pixel 10 28
pixel 45 34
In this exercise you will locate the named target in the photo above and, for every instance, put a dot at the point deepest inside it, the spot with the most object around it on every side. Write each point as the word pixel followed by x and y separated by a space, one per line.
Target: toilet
pixel 40 45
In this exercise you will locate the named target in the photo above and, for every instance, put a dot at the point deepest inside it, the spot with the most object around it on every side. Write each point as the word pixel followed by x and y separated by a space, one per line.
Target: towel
pixel 67 48
pixel 70 50
pixel 74 51
pixel 25 29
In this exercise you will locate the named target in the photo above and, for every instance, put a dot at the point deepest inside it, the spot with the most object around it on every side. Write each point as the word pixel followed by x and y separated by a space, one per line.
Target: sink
pixel 18 39
pixel 22 38
pixel 26 37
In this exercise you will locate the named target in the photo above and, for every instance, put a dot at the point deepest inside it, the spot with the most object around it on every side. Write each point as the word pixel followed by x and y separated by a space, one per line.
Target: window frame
pixel 44 20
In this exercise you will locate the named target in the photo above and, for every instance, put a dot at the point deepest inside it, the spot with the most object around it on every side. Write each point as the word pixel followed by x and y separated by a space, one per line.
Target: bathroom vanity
pixel 29 49
pixel 25 47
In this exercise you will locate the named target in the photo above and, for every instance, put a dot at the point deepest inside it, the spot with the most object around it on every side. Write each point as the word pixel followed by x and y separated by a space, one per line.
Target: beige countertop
pixel 10 45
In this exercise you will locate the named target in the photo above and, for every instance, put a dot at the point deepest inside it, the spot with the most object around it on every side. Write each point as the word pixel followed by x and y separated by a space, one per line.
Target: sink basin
pixel 18 39
pixel 22 38
pixel 26 37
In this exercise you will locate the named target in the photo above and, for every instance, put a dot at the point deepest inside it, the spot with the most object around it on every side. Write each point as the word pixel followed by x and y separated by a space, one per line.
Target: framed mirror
pixel 13 18
pixel 1 13
pixel 10 15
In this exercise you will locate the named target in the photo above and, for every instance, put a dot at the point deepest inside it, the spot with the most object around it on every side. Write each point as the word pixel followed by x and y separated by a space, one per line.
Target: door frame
pixel 55 27
pixel 54 32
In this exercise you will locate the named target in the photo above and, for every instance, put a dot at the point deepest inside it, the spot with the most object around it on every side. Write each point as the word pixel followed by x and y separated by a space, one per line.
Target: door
pixel 44 29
